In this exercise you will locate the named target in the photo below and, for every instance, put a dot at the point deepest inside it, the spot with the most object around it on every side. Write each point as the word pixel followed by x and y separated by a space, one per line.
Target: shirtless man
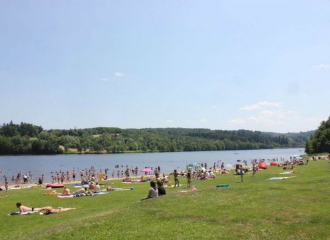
pixel 82 174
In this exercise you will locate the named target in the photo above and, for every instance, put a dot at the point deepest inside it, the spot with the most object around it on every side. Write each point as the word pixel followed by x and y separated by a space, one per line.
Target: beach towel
pixel 15 188
pixel 280 178
pixel 80 186
pixel 81 195
pixel 286 172
pixel 23 213
pixel 119 189
pixel 222 185
pixel 69 196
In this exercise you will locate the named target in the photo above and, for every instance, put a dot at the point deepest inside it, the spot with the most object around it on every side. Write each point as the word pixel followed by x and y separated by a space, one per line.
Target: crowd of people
pixel 91 176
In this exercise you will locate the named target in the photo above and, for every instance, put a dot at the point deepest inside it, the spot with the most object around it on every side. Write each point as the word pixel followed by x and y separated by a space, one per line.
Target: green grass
pixel 296 208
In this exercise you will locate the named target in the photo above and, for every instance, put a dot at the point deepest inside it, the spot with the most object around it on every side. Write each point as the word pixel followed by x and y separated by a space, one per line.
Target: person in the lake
pixel 153 191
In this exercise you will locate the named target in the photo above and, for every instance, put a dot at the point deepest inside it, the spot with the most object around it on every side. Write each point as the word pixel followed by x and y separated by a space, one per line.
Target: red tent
pixel 273 163
pixel 262 165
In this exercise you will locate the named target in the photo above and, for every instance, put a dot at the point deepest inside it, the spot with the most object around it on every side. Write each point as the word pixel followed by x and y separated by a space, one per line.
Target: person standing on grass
pixel 241 172
pixel 6 185
pixel 189 178
pixel 254 168
pixel 176 178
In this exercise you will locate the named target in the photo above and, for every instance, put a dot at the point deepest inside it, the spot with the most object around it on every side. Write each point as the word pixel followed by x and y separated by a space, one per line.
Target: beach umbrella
pixel 193 165
pixel 146 170
pixel 228 167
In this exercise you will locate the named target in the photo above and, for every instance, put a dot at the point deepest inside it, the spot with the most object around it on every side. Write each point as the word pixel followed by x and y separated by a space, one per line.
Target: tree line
pixel 25 138
pixel 319 142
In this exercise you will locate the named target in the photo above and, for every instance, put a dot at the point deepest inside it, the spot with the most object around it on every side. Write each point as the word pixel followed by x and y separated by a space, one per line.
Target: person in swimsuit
pixel 189 178
pixel 176 178
pixel 50 210
pixel 6 185
pixel 74 175
pixel 23 208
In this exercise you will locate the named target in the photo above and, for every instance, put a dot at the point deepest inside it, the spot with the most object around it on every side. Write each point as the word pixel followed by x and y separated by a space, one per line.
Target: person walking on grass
pixel 241 172
pixel 176 178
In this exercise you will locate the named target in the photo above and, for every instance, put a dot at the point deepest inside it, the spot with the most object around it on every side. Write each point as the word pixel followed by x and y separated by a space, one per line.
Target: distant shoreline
pixel 75 152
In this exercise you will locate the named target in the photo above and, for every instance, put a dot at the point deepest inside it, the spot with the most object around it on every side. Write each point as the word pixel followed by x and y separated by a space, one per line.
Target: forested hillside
pixel 295 139
pixel 319 142
pixel 25 138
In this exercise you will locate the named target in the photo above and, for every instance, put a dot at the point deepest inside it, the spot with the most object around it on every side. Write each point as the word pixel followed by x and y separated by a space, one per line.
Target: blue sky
pixel 255 65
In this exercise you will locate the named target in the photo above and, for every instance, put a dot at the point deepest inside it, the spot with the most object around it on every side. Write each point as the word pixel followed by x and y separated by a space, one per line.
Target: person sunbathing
pixel 66 192
pixel 97 188
pixel 81 192
pixel 50 210
pixel 24 209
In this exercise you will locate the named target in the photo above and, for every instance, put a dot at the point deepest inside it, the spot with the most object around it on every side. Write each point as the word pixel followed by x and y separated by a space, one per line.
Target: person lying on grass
pixel 24 209
pixel 66 192
pixel 50 210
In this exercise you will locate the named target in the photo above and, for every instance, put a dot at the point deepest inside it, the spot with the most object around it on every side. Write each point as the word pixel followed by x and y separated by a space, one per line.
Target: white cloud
pixel 236 121
pixel 260 106
pixel 270 104
pixel 214 107
pixel 119 74
pixel 169 121
pixel 268 113
pixel 263 119
pixel 321 66
pixel 204 120
pixel 251 107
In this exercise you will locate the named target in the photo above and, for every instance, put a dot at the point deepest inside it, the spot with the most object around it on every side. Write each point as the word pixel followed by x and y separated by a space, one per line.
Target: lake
pixel 45 164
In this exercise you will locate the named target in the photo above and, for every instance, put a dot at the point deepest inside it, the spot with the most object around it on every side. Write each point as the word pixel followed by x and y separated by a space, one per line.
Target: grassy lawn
pixel 295 208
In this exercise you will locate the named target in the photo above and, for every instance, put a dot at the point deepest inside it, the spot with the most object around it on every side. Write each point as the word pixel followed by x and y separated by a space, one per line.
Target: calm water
pixel 11 165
